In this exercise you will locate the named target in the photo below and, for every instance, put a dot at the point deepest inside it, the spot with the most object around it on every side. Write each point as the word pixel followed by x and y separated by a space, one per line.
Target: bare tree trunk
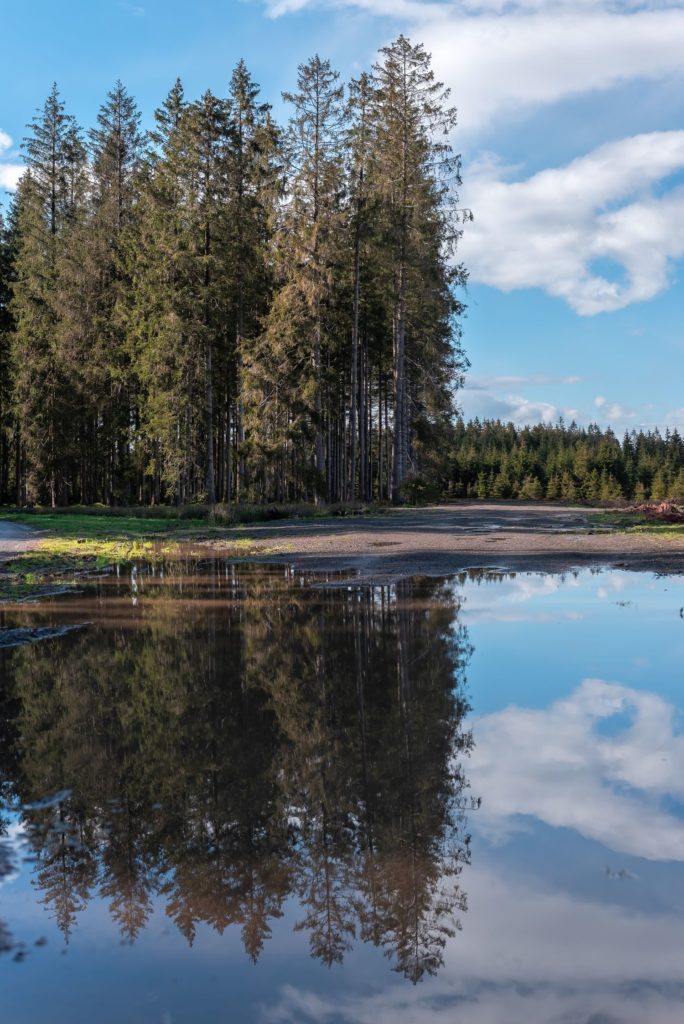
pixel 380 436
pixel 399 467
pixel 362 429
pixel 211 486
pixel 355 353
pixel 209 382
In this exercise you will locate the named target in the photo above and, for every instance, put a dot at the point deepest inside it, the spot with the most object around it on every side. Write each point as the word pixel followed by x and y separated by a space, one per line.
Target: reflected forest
pixel 218 744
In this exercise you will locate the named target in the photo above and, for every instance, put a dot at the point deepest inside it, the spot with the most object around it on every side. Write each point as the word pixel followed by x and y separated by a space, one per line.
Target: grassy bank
pixel 59 562
pixel 638 523
pixel 77 542
pixel 162 517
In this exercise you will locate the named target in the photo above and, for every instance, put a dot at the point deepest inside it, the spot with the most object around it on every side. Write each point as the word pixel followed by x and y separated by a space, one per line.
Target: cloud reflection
pixel 608 762
pixel 530 955
pixel 558 766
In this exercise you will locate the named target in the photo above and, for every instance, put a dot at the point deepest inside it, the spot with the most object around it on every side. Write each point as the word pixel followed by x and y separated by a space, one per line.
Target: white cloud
pixel 554 765
pixel 10 175
pixel 539 1002
pixel 411 9
pixel 9 172
pixel 549 230
pixel 484 383
pixel 503 64
pixel 613 411
pixel 500 56
pixel 514 408
pixel 675 418
pixel 481 398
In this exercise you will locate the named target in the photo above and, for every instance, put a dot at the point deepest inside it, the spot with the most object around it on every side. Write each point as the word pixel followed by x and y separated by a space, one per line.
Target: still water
pixel 233 795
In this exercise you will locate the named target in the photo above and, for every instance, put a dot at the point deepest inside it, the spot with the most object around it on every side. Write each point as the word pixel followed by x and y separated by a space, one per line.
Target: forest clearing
pixel 341 512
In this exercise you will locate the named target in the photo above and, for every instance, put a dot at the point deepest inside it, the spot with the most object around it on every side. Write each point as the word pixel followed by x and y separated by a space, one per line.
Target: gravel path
pixel 444 539
pixel 14 539
pixel 439 540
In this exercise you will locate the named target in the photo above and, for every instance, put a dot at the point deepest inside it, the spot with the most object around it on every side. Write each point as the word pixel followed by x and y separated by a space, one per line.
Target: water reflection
pixel 228 741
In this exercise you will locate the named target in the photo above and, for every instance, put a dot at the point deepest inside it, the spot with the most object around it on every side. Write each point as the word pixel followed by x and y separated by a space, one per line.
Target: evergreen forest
pixel 228 309
pixel 491 459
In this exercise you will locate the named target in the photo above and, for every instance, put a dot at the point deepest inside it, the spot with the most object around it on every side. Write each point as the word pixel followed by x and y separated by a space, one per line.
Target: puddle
pixel 234 795
pixel 33 634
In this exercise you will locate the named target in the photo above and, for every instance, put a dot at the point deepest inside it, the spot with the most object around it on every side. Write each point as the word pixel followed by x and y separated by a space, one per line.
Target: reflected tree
pixel 226 740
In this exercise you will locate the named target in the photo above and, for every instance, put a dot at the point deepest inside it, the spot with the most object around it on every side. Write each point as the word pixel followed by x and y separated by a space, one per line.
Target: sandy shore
pixel 444 539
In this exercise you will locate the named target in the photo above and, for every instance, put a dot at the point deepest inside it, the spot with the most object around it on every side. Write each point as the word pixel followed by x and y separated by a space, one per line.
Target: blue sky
pixel 572 135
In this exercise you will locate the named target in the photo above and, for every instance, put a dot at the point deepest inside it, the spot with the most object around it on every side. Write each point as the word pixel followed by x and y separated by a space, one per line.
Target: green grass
pixel 101 520
pixel 637 522
pixel 105 527
pixel 77 544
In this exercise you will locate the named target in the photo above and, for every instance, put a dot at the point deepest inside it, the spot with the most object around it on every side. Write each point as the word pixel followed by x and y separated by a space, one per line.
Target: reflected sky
pixel 444 800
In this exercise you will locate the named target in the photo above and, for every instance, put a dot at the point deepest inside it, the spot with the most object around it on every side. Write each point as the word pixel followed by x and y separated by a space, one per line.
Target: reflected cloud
pixel 486 615
pixel 519 967
pixel 557 765
pixel 503 604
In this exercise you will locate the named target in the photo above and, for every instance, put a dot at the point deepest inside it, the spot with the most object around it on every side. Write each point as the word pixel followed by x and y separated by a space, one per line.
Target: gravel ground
pixel 443 539
pixel 439 540
pixel 14 539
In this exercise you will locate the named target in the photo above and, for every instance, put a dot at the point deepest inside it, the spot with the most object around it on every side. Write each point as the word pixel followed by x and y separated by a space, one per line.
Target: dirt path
pixel 14 539
pixel 443 539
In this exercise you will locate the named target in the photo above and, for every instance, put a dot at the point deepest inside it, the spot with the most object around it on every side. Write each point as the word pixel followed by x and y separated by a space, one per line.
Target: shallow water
pixel 236 796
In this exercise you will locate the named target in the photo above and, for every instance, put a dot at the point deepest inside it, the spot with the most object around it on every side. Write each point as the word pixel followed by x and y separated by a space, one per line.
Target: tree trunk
pixel 399 467
pixel 355 353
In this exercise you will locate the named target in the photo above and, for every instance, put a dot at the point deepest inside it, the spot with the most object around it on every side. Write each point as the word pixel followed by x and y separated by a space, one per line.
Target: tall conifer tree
pixel 47 201
pixel 305 249
pixel 93 286
pixel 254 191
pixel 413 127
pixel 6 329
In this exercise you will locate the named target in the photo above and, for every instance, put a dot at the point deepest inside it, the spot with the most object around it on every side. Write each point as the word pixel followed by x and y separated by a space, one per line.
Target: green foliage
pixel 223 311
pixel 7 426
pixel 417 489
pixel 47 206
pixel 491 459
pixel 102 521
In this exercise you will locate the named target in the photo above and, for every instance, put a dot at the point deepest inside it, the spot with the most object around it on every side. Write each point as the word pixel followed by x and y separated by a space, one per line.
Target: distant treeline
pixel 490 459
pixel 225 309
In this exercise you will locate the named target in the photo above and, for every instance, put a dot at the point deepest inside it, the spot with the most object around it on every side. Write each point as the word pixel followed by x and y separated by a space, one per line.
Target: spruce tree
pixel 6 384
pixel 304 251
pixel 47 200
pixel 154 341
pixel 93 288
pixel 417 175
pixel 358 145
pixel 180 321
pixel 254 189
